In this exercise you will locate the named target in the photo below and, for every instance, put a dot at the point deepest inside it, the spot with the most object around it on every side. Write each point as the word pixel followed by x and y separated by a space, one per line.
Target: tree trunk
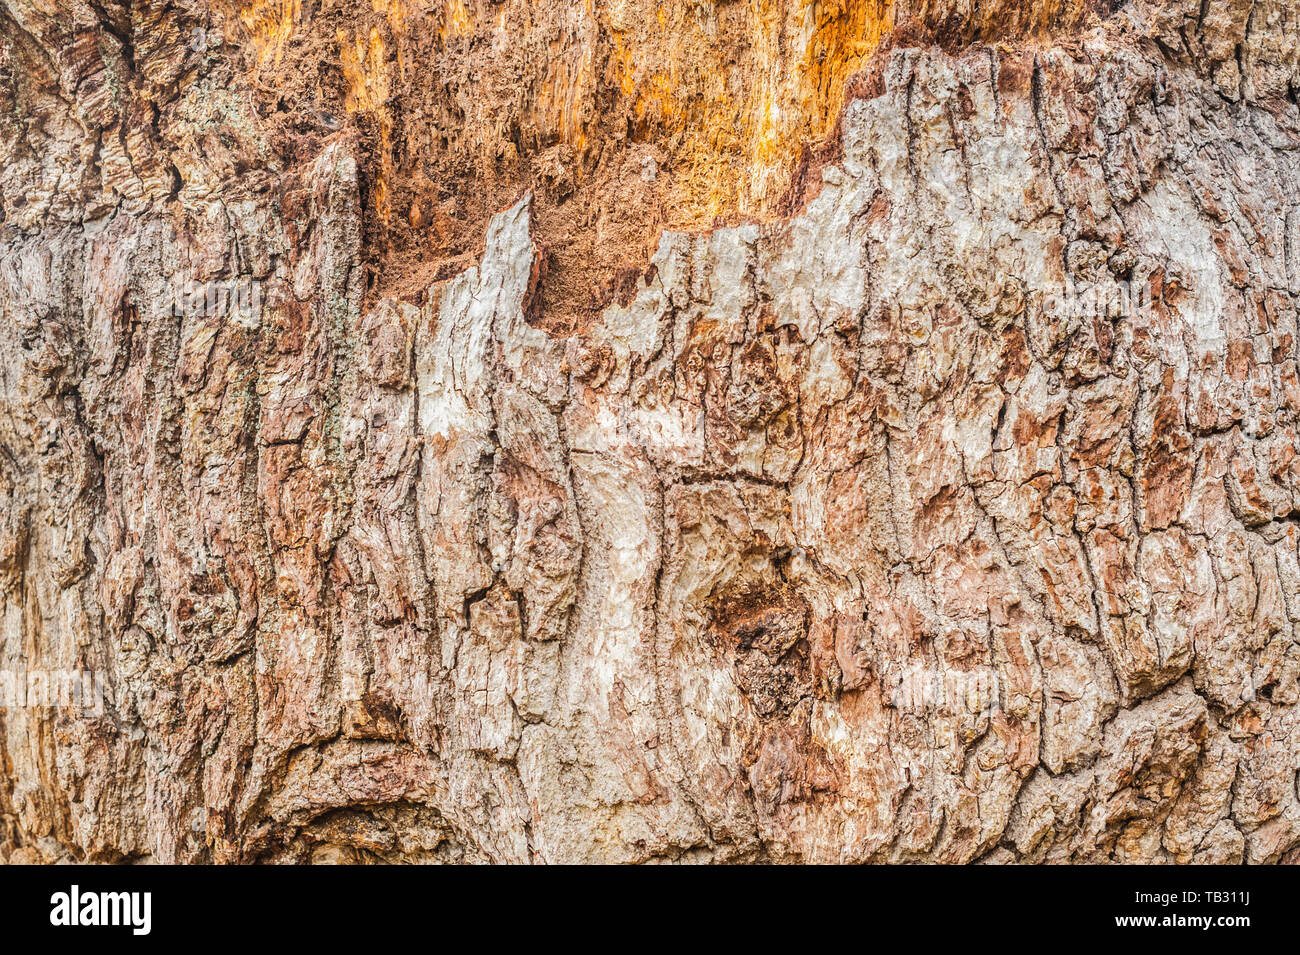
pixel 492 430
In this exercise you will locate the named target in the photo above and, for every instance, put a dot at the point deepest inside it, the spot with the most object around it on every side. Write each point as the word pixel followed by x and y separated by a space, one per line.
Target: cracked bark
pixel 825 534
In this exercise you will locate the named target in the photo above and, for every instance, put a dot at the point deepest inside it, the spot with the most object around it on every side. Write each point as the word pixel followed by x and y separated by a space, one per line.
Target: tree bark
pixel 721 432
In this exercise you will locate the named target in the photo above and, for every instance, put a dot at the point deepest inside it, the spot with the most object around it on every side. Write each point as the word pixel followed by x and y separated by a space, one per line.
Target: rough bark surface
pixel 615 470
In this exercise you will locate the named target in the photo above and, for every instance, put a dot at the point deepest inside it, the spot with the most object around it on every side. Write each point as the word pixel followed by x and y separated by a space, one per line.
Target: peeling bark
pixel 939 502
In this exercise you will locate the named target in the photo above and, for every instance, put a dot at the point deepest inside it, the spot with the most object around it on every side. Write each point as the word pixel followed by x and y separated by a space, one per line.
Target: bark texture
pixel 617 470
